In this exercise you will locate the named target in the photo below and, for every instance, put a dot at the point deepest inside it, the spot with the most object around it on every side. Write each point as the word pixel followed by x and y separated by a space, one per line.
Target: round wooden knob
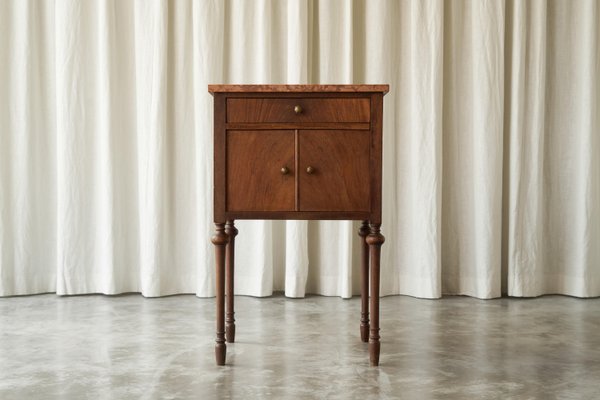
pixel 310 170
pixel 297 109
pixel 285 171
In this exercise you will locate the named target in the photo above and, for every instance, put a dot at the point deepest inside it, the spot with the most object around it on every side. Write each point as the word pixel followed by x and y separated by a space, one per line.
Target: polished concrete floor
pixel 129 347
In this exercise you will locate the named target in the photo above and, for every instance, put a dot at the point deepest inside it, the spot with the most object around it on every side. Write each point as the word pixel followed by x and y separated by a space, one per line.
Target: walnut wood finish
pixel 364 272
pixel 375 239
pixel 296 110
pixel 376 157
pixel 220 240
pixel 309 152
pixel 254 178
pixel 299 125
pixel 231 232
pixel 340 164
pixel 305 215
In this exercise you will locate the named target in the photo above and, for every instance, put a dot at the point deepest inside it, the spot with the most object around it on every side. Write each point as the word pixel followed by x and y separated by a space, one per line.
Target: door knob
pixel 310 170
pixel 285 171
pixel 297 109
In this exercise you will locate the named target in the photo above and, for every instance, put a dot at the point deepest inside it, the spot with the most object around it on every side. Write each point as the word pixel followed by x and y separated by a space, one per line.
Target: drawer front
pixel 260 171
pixel 278 110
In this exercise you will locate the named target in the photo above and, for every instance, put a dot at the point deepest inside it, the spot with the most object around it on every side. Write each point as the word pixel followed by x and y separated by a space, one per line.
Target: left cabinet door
pixel 261 170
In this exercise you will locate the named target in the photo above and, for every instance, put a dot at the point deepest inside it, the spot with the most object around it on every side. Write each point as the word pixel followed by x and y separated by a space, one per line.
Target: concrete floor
pixel 129 347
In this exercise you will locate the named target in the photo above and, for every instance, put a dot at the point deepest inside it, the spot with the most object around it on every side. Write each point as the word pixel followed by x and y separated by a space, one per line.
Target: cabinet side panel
pixel 219 154
pixel 376 156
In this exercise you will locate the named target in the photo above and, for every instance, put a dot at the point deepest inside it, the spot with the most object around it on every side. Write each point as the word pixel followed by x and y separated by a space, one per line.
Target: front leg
pixel 375 240
pixel 220 241
pixel 364 289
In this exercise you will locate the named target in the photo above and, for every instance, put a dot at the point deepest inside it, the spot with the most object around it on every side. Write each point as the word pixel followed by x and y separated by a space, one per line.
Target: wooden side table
pixel 309 152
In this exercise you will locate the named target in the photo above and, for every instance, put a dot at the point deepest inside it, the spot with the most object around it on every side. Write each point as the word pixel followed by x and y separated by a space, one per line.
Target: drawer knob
pixel 285 171
pixel 310 170
pixel 297 109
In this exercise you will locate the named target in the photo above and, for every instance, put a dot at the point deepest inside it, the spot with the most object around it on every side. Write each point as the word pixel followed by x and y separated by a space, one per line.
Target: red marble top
pixel 297 88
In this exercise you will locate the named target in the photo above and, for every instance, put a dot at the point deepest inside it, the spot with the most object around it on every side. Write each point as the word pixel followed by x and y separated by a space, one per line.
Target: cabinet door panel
pixel 339 179
pixel 255 181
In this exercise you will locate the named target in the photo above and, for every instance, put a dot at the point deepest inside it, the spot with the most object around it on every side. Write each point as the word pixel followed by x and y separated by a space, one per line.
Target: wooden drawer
pixel 293 110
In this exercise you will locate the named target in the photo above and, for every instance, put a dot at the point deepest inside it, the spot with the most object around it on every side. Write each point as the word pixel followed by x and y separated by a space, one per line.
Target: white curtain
pixel 491 144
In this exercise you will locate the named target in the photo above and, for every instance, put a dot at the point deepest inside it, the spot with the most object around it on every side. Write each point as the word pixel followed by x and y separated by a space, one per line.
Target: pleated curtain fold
pixel 491 144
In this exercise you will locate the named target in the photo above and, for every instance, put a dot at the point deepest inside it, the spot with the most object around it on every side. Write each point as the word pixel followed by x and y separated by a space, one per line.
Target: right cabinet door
pixel 333 170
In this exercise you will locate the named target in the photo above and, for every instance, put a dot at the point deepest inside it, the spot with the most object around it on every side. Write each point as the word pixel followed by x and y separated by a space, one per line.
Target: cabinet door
pixel 255 179
pixel 333 170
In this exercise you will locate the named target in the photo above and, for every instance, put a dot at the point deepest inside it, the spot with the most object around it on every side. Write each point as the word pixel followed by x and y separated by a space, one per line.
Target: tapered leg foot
pixel 364 333
pixel 230 332
pixel 374 353
pixel 220 352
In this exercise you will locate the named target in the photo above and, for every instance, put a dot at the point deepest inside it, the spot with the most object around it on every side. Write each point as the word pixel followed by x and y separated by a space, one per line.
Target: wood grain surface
pixel 259 110
pixel 254 178
pixel 340 181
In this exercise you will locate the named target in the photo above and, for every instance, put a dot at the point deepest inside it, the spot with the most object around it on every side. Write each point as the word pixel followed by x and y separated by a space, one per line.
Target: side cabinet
pixel 310 152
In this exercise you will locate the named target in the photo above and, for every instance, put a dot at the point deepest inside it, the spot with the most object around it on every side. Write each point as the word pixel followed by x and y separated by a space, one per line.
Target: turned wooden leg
pixel 364 291
pixel 231 232
pixel 375 239
pixel 220 240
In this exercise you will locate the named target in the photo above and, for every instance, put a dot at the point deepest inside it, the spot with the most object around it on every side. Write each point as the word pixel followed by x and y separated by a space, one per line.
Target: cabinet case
pixel 298 151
